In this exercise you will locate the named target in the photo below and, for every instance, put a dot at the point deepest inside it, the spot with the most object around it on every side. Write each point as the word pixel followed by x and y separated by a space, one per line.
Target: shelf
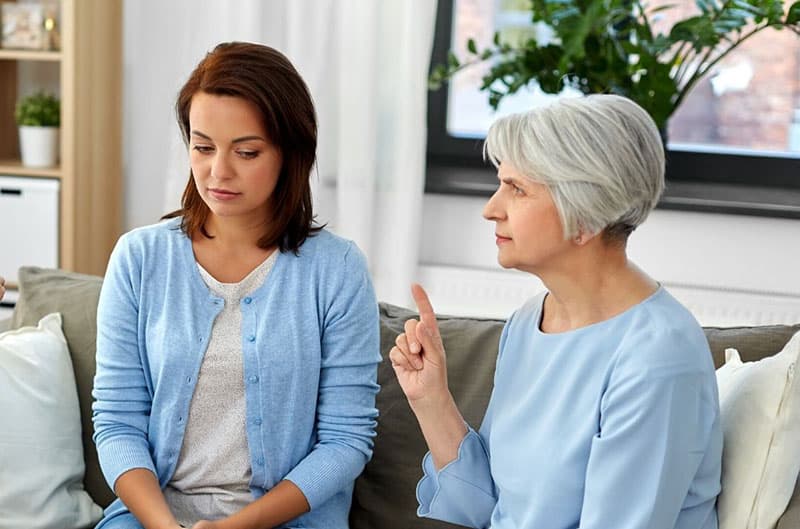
pixel 15 168
pixel 30 55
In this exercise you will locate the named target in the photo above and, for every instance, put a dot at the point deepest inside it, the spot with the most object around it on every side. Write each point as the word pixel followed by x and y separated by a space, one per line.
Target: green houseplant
pixel 39 118
pixel 611 46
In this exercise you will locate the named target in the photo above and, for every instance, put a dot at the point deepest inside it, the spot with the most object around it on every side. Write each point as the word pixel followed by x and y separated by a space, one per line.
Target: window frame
pixel 719 180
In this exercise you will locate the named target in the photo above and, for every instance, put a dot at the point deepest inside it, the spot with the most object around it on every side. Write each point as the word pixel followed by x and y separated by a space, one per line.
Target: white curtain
pixel 366 64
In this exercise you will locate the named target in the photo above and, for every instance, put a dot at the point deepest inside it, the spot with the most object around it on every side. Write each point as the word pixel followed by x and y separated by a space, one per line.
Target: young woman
pixel 237 343
pixel 604 412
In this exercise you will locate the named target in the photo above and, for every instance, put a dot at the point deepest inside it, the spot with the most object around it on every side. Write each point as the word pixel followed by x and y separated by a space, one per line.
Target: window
pixel 734 142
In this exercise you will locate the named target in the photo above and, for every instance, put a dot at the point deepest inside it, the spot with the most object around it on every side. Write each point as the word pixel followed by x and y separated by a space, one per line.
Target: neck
pixel 235 232
pixel 594 283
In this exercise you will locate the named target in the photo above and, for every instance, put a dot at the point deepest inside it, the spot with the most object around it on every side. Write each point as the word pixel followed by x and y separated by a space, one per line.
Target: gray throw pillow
pixel 42 291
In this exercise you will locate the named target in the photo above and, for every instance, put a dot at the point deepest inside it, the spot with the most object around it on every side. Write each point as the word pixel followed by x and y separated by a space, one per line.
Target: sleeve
pixel 657 424
pixel 346 412
pixel 122 398
pixel 463 491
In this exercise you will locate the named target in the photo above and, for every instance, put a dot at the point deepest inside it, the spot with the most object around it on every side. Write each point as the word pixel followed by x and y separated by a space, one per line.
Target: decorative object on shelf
pixel 52 28
pixel 23 26
pixel 611 46
pixel 39 118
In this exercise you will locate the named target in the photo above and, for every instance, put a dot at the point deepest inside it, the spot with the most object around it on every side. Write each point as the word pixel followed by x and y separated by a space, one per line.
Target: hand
pixel 418 357
pixel 2 287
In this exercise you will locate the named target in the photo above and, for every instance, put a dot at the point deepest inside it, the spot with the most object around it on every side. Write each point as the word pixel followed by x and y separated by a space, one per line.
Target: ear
pixel 584 236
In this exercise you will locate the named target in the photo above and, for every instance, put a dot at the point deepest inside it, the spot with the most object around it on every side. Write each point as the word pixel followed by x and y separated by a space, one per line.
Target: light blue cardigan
pixel 310 340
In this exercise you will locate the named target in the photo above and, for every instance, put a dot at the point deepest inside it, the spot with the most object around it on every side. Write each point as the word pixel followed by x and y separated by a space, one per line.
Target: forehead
pixel 209 112
pixel 507 171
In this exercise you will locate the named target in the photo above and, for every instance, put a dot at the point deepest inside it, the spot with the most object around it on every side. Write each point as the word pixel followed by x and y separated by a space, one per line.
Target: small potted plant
pixel 39 118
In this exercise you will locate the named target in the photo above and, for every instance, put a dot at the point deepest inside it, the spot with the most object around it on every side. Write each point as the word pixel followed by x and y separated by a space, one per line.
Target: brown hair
pixel 266 78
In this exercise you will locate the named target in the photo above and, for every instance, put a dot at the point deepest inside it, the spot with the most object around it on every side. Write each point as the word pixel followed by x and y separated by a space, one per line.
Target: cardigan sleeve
pixel 122 396
pixel 346 413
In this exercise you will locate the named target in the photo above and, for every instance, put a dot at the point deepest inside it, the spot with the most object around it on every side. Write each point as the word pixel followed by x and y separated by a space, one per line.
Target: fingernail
pixel 414 347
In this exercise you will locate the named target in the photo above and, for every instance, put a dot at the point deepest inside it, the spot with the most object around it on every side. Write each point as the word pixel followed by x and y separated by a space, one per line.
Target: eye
pixel 203 149
pixel 247 155
pixel 517 190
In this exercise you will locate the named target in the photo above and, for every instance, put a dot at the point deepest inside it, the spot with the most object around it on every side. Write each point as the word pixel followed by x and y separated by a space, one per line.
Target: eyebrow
pixel 510 180
pixel 237 140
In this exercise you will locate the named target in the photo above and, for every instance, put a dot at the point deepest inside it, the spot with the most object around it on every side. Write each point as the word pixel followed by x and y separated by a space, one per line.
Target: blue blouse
pixel 613 425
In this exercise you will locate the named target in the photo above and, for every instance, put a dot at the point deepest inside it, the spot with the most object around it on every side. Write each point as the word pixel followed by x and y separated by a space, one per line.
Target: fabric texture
pixel 43 291
pixel 41 458
pixel 760 403
pixel 624 408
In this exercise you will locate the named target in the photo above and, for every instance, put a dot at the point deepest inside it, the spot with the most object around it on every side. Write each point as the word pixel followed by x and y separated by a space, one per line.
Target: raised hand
pixel 418 358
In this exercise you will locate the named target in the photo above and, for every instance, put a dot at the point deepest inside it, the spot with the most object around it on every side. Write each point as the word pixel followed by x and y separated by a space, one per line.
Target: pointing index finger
pixel 426 314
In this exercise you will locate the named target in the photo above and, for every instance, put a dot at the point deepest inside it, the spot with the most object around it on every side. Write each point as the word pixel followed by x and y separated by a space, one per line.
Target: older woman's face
pixel 528 229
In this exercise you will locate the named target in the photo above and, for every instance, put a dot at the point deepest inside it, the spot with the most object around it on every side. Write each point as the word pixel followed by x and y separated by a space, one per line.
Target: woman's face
pixel 235 165
pixel 528 229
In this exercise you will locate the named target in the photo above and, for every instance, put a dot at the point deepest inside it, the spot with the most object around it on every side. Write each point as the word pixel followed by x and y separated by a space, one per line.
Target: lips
pixel 500 239
pixel 222 194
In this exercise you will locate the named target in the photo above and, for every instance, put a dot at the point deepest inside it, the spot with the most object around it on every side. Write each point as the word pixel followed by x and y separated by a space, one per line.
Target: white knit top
pixel 212 476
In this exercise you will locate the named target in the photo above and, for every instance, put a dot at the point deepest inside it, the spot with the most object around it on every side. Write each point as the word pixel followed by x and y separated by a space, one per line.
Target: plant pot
pixel 38 146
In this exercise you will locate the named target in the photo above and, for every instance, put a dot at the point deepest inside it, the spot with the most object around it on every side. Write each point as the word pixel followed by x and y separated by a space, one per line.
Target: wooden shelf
pixel 89 73
pixel 15 168
pixel 30 55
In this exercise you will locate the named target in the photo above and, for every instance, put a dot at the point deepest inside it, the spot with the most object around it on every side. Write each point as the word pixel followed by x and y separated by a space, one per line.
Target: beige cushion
pixel 760 411
pixel 75 296
pixel 41 457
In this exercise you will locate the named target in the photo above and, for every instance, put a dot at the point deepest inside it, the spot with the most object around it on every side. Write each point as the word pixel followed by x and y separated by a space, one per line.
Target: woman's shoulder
pixel 324 247
pixel 154 242
pixel 662 332
pixel 159 231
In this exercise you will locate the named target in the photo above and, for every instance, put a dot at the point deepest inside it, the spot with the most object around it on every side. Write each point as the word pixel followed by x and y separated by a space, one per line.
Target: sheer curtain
pixel 366 65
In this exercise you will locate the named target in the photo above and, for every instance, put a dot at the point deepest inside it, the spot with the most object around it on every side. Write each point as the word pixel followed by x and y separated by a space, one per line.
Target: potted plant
pixel 613 46
pixel 39 118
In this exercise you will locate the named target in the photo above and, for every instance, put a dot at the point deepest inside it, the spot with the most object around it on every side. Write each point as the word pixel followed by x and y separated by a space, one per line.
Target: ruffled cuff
pixel 462 491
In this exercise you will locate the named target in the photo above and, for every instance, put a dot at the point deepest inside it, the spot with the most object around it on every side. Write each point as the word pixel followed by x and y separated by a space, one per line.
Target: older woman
pixel 604 412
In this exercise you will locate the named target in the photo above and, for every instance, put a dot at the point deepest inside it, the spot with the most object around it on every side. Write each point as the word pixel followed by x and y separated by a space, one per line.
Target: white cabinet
pixel 28 224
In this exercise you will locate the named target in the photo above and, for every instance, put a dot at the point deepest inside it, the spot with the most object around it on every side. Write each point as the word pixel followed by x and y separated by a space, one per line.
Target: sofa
pixel 384 495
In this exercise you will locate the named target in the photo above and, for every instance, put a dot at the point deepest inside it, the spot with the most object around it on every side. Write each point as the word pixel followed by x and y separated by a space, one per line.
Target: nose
pixel 493 209
pixel 220 166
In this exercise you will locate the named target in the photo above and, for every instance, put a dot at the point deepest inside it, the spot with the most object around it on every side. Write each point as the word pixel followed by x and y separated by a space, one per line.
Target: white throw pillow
pixel 760 410
pixel 41 455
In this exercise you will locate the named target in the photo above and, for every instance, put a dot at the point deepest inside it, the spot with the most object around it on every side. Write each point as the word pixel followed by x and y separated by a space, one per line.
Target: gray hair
pixel 601 156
